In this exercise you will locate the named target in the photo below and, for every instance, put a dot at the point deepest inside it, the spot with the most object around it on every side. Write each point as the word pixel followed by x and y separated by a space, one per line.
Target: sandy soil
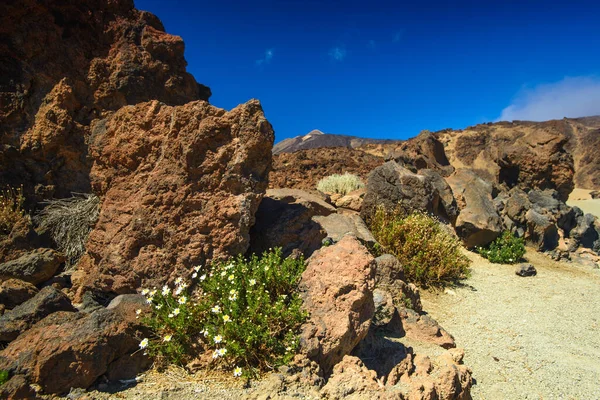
pixel 582 199
pixel 526 338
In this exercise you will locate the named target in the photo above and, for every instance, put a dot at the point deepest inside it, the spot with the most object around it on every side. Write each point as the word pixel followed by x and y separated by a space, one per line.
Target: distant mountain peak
pixel 316 139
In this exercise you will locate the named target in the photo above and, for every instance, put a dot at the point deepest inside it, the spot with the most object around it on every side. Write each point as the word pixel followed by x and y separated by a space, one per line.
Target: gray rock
pixel 34 267
pixel 18 320
pixel 525 269
pixel 541 231
pixel 478 223
pixel 389 276
pixel 339 225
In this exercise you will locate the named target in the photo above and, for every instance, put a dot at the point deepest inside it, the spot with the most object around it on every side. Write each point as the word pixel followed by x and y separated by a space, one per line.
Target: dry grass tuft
pixel 342 184
pixel 69 221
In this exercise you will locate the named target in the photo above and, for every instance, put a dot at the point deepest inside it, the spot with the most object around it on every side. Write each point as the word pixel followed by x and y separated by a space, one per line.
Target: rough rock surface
pixel 71 350
pixel 180 185
pixel 478 222
pixel 15 291
pixel 285 219
pixel 525 269
pixel 393 186
pixel 337 290
pixel 390 277
pixel 339 225
pixel 35 267
pixel 18 320
pixel 424 328
pixel 67 64
pixel 304 169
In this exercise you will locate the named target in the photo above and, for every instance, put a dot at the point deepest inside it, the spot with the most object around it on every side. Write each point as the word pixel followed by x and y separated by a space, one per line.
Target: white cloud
pixel 337 53
pixel 267 57
pixel 571 97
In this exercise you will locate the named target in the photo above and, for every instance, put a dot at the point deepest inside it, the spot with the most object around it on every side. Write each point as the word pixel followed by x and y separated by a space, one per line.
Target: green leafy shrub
pixel 4 376
pixel 430 255
pixel 11 209
pixel 342 184
pixel 506 249
pixel 245 313
pixel 69 221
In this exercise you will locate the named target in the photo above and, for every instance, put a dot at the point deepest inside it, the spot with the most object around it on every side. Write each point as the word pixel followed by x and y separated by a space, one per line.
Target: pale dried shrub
pixel 69 222
pixel 341 184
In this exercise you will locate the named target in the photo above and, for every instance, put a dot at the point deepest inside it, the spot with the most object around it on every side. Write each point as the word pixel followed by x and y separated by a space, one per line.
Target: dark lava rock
pixel 525 269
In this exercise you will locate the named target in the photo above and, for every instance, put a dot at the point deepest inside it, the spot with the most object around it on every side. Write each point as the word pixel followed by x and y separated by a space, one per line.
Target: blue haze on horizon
pixel 391 69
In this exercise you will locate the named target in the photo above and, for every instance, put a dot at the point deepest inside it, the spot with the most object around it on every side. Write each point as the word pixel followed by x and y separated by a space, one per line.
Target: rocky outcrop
pixel 18 320
pixel 15 291
pixel 285 219
pixel 393 186
pixel 67 64
pixel 303 169
pixel 337 290
pixel 71 350
pixel 180 186
pixel 478 222
pixel 35 267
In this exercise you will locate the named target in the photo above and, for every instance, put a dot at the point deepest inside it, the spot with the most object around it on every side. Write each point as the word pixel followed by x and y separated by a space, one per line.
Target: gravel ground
pixel 526 338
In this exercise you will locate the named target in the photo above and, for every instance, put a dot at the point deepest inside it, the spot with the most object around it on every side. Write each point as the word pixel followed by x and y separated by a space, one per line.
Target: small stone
pixel 525 269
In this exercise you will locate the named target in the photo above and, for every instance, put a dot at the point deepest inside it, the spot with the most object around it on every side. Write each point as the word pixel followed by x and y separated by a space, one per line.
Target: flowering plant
pixel 245 313
pixel 506 249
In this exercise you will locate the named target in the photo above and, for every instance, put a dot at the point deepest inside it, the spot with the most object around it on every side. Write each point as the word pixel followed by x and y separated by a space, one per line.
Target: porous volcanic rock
pixel 478 222
pixel 16 321
pixel 393 186
pixel 15 291
pixel 35 267
pixel 339 225
pixel 67 64
pixel 303 169
pixel 337 290
pixel 285 219
pixel 179 185
pixel 71 350
pixel 390 277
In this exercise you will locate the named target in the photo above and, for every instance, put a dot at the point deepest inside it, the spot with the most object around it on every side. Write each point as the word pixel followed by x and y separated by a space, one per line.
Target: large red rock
pixel 67 64
pixel 179 186
pixel 337 289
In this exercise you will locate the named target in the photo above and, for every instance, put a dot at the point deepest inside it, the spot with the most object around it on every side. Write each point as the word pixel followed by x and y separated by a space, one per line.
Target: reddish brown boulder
pixel 337 289
pixel 71 350
pixel 180 186
pixel 67 64
pixel 424 328
pixel 15 291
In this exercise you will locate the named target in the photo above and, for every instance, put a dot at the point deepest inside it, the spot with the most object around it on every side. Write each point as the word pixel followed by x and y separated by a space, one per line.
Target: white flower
pixel 216 354
pixel 178 280
pixel 205 333
pixel 233 291
pixel 252 282
pixel 229 266
pixel 237 372
pixel 194 275
pixel 197 268
pixel 223 273
pixel 218 339
pixel 165 290
pixel 203 277
pixel 144 343
pixel 178 290
pixel 216 309
pixel 233 297
pixel 138 311
pixel 171 315
pixel 230 277
pixel 145 292
pixel 149 300
pixel 182 300
pixel 226 318
pixel 222 352
pixel 176 311
pixel 152 293
pixel 158 306
pixel 167 338
pixel 266 268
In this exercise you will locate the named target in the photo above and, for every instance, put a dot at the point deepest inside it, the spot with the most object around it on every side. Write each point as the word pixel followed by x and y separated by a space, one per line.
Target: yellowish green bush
pixel 342 184
pixel 11 209
pixel 245 313
pixel 430 255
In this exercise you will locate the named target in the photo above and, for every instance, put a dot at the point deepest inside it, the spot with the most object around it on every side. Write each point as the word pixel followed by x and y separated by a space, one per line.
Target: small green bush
pixel 4 376
pixel 506 249
pixel 11 209
pixel 342 184
pixel 430 255
pixel 245 313
pixel 69 221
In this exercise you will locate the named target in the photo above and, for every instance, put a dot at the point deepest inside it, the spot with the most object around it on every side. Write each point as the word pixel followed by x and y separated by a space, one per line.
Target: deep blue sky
pixel 387 69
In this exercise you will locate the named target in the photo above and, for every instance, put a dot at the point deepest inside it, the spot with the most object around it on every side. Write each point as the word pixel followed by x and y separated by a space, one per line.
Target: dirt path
pixel 526 338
